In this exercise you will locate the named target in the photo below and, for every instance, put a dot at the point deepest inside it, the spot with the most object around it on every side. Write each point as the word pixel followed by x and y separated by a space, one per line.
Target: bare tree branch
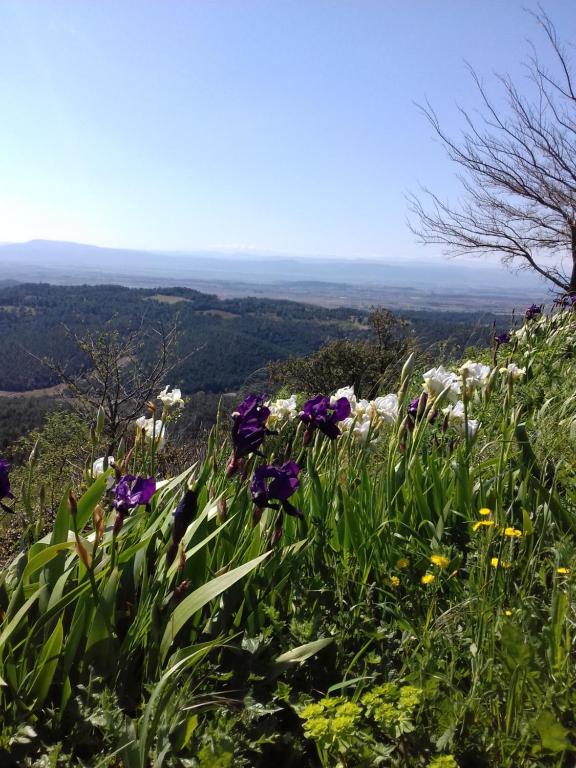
pixel 519 174
pixel 117 377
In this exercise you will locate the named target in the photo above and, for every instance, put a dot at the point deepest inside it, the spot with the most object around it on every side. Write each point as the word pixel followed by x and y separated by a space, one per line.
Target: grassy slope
pixel 449 643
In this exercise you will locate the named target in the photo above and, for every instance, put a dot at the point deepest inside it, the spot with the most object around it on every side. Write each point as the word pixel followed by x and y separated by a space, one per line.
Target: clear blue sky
pixel 275 125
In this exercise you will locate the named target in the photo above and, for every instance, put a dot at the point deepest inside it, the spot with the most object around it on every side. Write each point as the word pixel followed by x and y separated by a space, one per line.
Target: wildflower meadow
pixel 340 582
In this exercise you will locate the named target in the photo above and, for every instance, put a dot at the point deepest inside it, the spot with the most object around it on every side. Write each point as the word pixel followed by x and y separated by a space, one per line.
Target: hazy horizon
pixel 425 255
pixel 324 281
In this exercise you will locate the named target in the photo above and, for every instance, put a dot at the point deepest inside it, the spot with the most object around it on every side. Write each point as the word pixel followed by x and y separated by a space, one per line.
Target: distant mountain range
pixel 357 282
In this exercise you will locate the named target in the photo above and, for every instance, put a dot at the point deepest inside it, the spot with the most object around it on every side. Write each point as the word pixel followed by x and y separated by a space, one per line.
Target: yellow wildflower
pixel 439 560
pixel 428 578
pixel 317 728
pixel 311 710
pixel 483 523
pixel 513 533
pixel 484 511
pixel 495 562
pixel 563 571
pixel 507 613
pixel 443 761
pixel 349 709
pixel 331 702
pixel 342 724
pixel 403 562
pixel 394 581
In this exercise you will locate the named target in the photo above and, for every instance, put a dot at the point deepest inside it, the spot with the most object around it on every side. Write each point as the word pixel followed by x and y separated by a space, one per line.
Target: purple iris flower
pixel 131 492
pixel 566 301
pixel 501 338
pixel 318 413
pixel 533 311
pixel 247 437
pixel 272 484
pixel 418 406
pixel 249 430
pixel 252 408
pixel 279 483
pixel 5 492
pixel 184 514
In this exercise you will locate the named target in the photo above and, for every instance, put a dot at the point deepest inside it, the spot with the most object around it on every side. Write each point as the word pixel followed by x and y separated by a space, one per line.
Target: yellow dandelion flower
pixel 484 511
pixel 428 578
pixel 403 562
pixel 439 560
pixel 507 613
pixel 513 533
pixel 394 581
pixel 563 571
pixel 483 524
pixel 495 562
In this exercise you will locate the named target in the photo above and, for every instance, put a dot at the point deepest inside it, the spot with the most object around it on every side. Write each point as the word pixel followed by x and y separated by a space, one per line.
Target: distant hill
pixel 359 282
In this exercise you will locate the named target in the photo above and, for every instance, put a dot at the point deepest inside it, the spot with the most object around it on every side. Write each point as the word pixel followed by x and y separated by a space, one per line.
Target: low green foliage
pixel 368 365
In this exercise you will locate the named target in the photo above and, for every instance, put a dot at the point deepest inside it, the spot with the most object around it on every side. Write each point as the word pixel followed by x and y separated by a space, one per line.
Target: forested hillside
pixel 230 339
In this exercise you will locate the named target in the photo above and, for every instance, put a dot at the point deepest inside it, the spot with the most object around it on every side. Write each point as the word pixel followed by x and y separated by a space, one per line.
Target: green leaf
pixel 192 551
pixel 99 635
pixel 44 557
pixel 200 597
pixel 73 638
pixel 46 665
pixel 557 650
pixel 517 653
pixel 62 521
pixel 527 527
pixel 187 658
pixel 302 652
pixel 88 502
pixel 46 617
pixel 15 623
pixel 348 683
pixel 553 735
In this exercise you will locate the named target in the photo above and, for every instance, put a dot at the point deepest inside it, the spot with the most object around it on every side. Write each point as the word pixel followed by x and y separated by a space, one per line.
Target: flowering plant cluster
pixel 152 430
pixel 342 412
pixel 373 725
pixel 131 492
pixel 460 388
pixel 272 485
pixel 256 417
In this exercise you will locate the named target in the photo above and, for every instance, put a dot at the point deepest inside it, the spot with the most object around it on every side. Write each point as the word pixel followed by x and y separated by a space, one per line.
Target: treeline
pixel 20 415
pixel 229 339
